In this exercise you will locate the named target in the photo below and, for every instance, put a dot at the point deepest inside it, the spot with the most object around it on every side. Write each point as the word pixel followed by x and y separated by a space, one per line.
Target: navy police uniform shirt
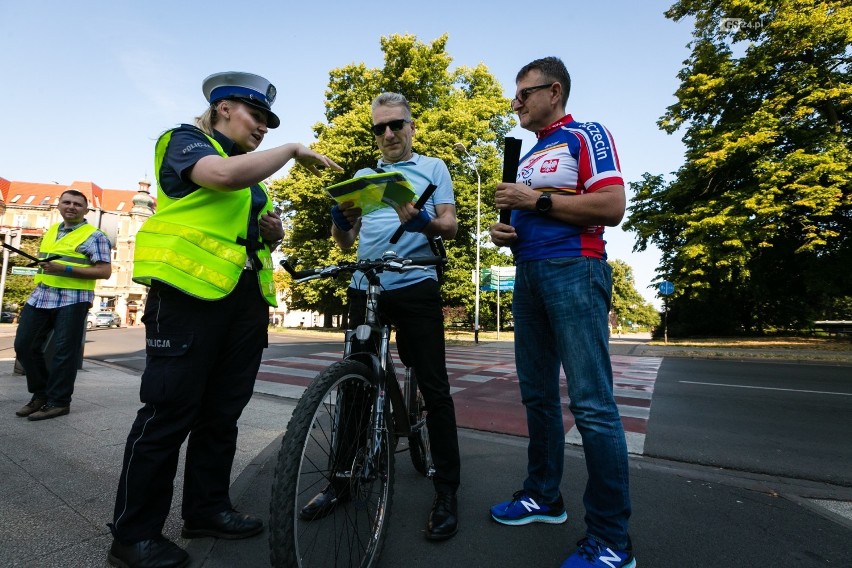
pixel 188 145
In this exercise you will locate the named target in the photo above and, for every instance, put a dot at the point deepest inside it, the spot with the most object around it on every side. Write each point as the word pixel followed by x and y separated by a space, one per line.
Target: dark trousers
pixel 416 313
pixel 202 361
pixel 56 384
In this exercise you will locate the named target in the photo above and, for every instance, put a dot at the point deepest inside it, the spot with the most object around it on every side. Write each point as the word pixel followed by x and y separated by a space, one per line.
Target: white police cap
pixel 248 88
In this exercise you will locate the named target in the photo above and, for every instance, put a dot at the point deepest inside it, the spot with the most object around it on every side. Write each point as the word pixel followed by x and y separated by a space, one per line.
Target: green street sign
pixel 25 270
pixel 498 277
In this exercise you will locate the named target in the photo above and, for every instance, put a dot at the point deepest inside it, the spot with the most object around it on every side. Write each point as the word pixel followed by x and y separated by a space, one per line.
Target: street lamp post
pixel 461 148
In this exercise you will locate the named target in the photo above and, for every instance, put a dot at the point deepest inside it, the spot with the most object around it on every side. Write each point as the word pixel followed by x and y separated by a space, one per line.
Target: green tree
pixel 755 226
pixel 462 105
pixel 18 286
pixel 627 303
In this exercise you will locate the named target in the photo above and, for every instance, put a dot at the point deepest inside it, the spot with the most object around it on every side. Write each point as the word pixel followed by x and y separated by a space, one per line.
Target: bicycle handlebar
pixel 389 262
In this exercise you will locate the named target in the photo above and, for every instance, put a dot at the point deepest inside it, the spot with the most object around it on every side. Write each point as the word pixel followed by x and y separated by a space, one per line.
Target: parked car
pixel 107 319
pixel 8 317
pixel 90 320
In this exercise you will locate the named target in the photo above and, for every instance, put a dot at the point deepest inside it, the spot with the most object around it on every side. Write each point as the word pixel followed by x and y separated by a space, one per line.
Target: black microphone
pixel 511 157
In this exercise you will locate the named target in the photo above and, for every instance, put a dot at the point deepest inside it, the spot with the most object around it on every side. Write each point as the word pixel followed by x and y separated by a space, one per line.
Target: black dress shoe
pixel 157 552
pixel 443 519
pixel 227 524
pixel 322 505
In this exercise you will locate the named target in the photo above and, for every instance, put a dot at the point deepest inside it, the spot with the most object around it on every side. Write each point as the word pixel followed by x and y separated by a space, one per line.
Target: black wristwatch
pixel 544 203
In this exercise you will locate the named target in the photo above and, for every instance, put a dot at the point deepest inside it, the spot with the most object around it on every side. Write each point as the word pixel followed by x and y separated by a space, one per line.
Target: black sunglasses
pixel 522 95
pixel 394 125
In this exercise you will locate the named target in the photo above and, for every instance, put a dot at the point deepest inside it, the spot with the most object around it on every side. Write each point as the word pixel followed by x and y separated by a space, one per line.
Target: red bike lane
pixel 484 384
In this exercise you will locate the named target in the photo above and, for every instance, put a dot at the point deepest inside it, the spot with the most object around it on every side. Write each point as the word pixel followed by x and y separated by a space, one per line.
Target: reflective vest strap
pixel 161 256
pixel 265 277
pixel 183 281
pixel 84 261
pixel 234 253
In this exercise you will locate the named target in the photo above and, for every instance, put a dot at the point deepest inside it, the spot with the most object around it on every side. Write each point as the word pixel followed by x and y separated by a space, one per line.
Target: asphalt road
pixel 125 346
pixel 779 418
pixel 737 416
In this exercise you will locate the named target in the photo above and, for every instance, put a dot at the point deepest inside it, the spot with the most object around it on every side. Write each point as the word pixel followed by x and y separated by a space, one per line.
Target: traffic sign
pixel 500 278
pixel 666 288
pixel 25 270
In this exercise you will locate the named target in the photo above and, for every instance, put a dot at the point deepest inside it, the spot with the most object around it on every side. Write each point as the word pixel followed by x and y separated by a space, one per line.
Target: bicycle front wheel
pixel 331 443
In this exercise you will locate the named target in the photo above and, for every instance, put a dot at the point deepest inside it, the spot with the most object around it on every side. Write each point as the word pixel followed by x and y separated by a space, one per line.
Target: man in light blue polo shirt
pixel 410 300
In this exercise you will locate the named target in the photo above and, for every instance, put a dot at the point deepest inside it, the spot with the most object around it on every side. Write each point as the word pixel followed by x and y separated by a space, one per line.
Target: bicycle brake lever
pixel 299 275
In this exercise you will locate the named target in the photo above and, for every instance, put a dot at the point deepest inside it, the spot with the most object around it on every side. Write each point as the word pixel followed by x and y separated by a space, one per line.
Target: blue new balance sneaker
pixel 523 509
pixel 592 554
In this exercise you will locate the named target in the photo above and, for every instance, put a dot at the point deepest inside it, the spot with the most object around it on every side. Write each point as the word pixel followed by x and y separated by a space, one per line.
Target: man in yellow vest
pixel 65 289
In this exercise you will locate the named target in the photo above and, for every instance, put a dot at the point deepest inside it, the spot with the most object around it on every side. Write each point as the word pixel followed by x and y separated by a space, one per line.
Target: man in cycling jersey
pixel 568 188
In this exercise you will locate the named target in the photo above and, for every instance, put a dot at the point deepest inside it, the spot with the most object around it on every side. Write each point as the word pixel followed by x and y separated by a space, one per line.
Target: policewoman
pixel 206 255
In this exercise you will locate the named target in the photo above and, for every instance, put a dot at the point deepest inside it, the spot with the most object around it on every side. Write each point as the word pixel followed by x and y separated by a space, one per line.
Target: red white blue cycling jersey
pixel 569 158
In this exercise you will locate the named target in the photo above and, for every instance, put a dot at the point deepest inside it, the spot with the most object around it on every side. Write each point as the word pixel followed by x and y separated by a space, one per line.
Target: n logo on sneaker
pixel 606 559
pixel 530 505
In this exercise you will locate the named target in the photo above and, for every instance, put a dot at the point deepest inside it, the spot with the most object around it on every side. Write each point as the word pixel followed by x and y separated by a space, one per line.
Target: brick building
pixel 29 209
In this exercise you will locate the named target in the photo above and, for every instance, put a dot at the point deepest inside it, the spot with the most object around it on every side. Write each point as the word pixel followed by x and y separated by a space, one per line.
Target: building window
pixel 29 200
pixel 15 199
pixel 45 200
pixel 120 206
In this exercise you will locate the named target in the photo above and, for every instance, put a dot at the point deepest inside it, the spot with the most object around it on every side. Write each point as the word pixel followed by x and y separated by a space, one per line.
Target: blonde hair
pixel 207 119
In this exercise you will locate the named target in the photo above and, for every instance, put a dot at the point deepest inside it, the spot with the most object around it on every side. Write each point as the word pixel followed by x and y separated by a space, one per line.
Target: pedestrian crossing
pixel 484 384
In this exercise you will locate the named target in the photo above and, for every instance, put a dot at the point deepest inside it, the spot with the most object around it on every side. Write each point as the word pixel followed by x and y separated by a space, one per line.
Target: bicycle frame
pixel 342 419
pixel 379 360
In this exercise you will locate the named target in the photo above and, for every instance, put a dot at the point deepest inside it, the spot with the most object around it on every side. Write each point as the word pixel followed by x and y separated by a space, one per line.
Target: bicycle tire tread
pixel 287 469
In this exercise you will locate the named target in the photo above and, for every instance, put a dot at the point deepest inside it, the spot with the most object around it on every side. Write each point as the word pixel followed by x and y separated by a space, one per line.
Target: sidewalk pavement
pixel 59 478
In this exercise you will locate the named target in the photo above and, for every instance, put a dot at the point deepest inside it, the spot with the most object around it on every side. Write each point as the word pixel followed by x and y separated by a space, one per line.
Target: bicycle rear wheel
pixel 418 442
pixel 329 443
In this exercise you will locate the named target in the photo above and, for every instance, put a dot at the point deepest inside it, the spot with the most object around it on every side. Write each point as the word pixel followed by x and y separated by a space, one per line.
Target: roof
pixel 47 194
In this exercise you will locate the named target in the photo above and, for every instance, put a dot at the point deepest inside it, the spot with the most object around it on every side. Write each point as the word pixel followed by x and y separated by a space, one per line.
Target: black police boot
pixel 157 552
pixel 443 519
pixel 227 524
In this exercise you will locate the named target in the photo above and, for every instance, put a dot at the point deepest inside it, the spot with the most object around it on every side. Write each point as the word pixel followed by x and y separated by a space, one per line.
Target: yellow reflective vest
pixel 198 243
pixel 66 248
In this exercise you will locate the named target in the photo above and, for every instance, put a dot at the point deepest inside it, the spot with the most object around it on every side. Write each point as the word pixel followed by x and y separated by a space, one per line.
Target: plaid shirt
pixel 98 248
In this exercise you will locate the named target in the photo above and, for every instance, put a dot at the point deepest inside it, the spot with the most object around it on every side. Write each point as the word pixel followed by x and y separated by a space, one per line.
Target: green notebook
pixel 374 191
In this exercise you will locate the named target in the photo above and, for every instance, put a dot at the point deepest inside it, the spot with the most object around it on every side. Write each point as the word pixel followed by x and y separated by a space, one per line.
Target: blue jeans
pixel 561 311
pixel 56 383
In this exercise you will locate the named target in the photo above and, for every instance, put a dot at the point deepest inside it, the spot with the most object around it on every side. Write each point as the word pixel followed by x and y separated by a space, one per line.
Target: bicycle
pixel 340 435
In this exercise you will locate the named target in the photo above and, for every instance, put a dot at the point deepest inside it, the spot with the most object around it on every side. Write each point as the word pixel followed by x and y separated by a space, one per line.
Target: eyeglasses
pixel 522 95
pixel 394 125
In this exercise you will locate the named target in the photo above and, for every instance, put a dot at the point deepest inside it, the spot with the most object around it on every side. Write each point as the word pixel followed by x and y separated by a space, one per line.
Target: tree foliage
pixel 461 105
pixel 628 305
pixel 20 286
pixel 755 227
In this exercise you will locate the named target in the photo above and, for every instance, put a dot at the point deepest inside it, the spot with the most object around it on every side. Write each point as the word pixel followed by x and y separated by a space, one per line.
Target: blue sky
pixel 89 85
